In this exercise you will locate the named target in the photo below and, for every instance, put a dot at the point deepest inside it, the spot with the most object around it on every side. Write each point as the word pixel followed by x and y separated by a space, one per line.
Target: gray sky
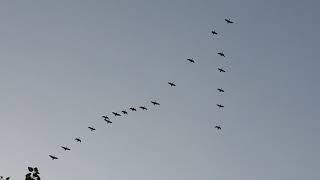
pixel 66 63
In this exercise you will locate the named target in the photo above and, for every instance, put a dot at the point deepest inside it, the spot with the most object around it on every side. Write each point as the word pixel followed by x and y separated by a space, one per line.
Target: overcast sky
pixel 63 64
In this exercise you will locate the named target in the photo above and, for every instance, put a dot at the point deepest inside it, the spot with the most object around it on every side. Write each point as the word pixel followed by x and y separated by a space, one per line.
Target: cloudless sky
pixel 63 64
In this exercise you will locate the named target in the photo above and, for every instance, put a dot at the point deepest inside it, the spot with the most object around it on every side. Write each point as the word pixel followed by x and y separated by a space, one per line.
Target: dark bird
pixel 228 21
pixel 218 127
pixel 221 70
pixel 92 128
pixel 105 117
pixel 220 90
pixel 143 108
pixel 221 54
pixel 78 140
pixel 133 109
pixel 116 114
pixel 65 148
pixel 171 84
pixel 220 106
pixel 191 60
pixel 7 178
pixel 214 33
pixel 53 157
pixel 124 112
pixel 108 121
pixel 155 103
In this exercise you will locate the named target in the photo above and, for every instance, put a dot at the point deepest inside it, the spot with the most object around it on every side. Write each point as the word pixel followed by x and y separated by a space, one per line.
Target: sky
pixel 64 64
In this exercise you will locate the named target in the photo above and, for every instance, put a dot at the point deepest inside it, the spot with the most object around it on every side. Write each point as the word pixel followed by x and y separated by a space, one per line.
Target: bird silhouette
pixel 92 128
pixel 155 103
pixel 221 70
pixel 220 90
pixel 78 140
pixel 191 60
pixel 133 109
pixel 220 106
pixel 116 114
pixel 53 157
pixel 65 148
pixel 171 84
pixel 228 21
pixel 221 54
pixel 143 108
pixel 214 33
pixel 218 127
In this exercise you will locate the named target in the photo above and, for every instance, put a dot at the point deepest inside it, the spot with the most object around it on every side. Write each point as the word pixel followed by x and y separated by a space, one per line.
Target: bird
pixel 220 106
pixel 116 114
pixel 105 117
pixel 171 84
pixel 190 60
pixel 133 109
pixel 108 121
pixel 143 108
pixel 124 112
pixel 65 148
pixel 92 128
pixel 53 157
pixel 77 139
pixel 155 103
pixel 221 54
pixel 220 90
pixel 221 70
pixel 218 127
pixel 228 21
pixel 214 33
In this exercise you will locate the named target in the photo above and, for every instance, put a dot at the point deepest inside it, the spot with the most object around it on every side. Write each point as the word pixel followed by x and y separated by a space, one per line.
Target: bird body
pixel 143 108
pixel 92 128
pixel 155 103
pixel 221 54
pixel 171 84
pixel 228 21
pixel 221 70
pixel 191 60
pixel 53 157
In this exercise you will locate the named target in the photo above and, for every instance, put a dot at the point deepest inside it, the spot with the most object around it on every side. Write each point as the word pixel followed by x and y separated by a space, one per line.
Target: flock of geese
pixel 34 171
pixel 107 118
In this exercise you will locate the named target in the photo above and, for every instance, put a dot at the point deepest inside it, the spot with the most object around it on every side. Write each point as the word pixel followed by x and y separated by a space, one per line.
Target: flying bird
pixel 214 33
pixel 228 21
pixel 65 148
pixel 221 70
pixel 116 114
pixel 124 112
pixel 171 84
pixel 92 128
pixel 105 117
pixel 155 103
pixel 78 140
pixel 191 60
pixel 133 109
pixel 220 106
pixel 143 108
pixel 108 121
pixel 220 90
pixel 53 157
pixel 218 127
pixel 221 54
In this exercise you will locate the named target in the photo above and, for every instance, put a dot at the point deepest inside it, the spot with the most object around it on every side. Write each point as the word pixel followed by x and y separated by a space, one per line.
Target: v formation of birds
pixel 108 118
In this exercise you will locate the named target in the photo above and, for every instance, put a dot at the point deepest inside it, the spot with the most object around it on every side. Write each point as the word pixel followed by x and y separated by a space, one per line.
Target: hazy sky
pixel 66 63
